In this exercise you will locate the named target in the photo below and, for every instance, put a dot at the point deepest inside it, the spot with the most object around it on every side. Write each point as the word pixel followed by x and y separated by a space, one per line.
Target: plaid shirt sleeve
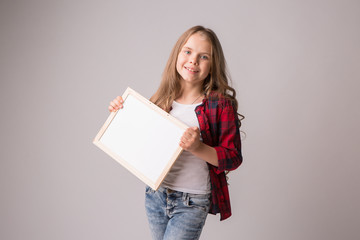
pixel 228 147
pixel 219 128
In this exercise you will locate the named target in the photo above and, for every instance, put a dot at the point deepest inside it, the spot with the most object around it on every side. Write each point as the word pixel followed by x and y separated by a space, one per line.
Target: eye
pixel 187 52
pixel 204 57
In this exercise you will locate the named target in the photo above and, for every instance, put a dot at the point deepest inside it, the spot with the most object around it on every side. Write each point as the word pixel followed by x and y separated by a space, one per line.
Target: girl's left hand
pixel 190 140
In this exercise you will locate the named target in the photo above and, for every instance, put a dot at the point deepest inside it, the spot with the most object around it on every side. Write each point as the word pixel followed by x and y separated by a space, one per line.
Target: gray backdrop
pixel 295 66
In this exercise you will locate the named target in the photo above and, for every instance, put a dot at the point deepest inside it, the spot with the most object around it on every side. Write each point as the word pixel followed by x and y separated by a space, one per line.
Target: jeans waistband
pixel 169 191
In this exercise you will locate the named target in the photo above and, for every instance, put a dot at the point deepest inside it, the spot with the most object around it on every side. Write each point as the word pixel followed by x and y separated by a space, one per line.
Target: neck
pixel 190 95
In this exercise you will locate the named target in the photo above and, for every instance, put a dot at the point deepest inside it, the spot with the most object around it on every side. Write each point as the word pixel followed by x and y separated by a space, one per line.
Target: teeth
pixel 190 69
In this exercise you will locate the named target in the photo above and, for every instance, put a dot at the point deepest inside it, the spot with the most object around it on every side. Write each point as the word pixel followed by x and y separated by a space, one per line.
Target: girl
pixel 195 89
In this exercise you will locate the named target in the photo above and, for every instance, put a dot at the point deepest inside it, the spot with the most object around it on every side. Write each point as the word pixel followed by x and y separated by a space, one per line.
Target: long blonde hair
pixel 217 80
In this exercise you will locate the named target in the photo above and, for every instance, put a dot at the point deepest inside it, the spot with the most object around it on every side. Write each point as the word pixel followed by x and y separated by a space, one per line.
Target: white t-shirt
pixel 189 173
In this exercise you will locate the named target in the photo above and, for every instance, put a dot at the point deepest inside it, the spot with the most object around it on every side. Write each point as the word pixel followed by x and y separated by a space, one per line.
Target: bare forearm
pixel 206 153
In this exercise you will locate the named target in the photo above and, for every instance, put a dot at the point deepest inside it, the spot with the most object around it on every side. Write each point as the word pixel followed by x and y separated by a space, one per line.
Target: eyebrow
pixel 200 53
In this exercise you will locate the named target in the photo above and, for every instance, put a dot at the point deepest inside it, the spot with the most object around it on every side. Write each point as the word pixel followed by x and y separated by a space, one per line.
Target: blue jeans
pixel 176 215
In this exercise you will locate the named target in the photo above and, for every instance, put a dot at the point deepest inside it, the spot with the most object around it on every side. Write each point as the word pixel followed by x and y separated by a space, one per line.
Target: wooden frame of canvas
pixel 142 137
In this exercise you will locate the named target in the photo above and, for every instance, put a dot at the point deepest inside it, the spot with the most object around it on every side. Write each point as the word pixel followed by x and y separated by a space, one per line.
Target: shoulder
pixel 218 99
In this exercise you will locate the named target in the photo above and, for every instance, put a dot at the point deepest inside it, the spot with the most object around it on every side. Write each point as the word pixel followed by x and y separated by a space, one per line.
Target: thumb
pixel 195 128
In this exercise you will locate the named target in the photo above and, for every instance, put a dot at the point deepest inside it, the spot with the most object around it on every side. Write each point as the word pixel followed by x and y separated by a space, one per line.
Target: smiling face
pixel 194 60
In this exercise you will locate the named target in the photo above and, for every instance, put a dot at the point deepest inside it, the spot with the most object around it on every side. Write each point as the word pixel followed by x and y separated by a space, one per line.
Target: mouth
pixel 191 70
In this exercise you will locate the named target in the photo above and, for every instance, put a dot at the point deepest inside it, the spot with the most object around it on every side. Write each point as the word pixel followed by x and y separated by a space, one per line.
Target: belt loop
pixel 184 196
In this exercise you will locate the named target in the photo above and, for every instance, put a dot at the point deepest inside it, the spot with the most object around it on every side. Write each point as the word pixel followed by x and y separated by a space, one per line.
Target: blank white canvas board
pixel 143 138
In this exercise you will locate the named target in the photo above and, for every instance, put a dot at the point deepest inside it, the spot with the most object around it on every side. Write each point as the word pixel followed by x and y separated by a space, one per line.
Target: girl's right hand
pixel 116 104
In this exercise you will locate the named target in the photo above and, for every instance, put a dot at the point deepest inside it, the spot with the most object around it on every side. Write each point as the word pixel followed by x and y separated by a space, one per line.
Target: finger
pixel 111 109
pixel 188 141
pixel 190 132
pixel 187 136
pixel 193 132
pixel 185 141
pixel 183 145
pixel 195 129
pixel 114 105
pixel 120 99
pixel 117 103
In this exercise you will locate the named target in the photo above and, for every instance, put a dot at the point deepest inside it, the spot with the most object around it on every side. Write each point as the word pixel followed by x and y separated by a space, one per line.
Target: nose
pixel 194 60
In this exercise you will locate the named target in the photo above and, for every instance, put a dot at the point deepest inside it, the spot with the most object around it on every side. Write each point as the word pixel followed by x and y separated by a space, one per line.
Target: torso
pixel 189 173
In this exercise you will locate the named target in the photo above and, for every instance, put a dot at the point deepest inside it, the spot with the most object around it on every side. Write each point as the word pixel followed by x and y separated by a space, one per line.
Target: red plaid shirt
pixel 220 129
